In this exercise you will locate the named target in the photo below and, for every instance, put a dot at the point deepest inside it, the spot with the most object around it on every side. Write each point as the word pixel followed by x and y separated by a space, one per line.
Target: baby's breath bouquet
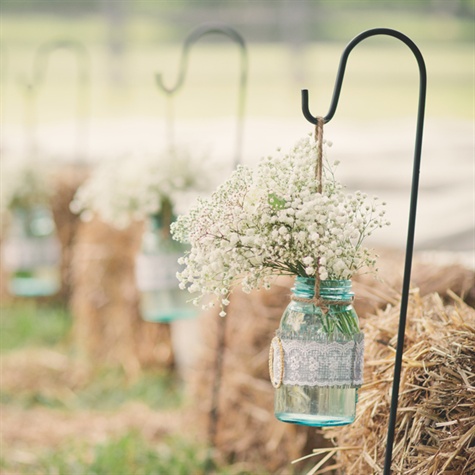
pixel 273 220
pixel 26 183
pixel 151 189
pixel 134 187
pixel 30 250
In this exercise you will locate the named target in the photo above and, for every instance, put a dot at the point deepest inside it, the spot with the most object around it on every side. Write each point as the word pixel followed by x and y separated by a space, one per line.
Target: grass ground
pixel 62 417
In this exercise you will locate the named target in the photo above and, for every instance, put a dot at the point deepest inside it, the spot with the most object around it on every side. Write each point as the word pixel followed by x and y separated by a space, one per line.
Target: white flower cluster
pixel 132 188
pixel 25 182
pixel 272 220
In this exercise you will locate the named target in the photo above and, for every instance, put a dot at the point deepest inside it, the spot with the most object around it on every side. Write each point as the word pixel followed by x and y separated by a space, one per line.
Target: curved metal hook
pixel 40 64
pixel 43 54
pixel 412 209
pixel 192 38
pixel 341 69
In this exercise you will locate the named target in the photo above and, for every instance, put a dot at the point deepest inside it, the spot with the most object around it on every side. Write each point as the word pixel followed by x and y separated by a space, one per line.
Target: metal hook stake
pixel 413 202
pixel 191 39
pixel 40 65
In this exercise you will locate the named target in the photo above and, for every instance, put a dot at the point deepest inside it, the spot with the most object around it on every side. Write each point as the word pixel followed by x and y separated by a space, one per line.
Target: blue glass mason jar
pixel 316 358
pixel 156 265
pixel 31 253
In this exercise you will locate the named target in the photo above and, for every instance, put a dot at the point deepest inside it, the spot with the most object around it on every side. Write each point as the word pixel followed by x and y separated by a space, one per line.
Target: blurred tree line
pixel 291 21
pixel 456 7
pixel 253 11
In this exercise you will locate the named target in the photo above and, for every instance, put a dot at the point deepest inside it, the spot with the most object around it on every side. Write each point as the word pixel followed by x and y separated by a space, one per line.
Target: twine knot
pixel 322 303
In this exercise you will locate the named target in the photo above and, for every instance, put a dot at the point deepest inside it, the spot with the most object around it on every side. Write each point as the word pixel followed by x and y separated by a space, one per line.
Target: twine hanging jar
pixel 316 357
pixel 31 252
pixel 161 299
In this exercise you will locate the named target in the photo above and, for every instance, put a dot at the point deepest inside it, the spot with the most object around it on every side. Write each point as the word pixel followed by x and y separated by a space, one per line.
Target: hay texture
pixel 108 327
pixel 427 275
pixel 66 182
pixel 435 429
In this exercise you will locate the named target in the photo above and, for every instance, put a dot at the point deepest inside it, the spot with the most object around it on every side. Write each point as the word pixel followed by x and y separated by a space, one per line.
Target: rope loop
pixel 319 178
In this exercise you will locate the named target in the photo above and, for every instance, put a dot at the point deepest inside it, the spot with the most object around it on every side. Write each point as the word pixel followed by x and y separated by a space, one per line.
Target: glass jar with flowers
pixel 291 216
pixel 152 189
pixel 31 251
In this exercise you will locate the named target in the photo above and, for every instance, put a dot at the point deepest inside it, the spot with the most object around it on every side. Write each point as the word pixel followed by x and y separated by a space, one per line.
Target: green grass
pixel 31 332
pixel 107 389
pixel 129 454
pixel 27 323
pixel 110 389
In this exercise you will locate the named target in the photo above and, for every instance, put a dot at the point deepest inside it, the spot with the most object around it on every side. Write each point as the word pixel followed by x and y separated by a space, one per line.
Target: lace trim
pixel 317 362
pixel 29 252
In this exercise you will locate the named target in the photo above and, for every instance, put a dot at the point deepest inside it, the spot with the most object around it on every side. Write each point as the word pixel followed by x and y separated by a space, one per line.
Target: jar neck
pixel 304 287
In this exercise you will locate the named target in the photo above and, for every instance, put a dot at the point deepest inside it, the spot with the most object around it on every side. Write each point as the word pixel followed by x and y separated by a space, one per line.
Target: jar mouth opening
pixel 305 286
pixel 324 283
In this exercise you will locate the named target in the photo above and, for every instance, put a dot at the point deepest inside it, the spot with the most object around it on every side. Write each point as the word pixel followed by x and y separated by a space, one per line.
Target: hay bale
pixel 108 327
pixel 435 429
pixel 247 431
pixel 66 182
pixel 428 276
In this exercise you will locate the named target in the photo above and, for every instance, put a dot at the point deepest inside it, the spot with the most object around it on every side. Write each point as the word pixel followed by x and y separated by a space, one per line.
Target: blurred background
pixel 99 97
pixel 88 383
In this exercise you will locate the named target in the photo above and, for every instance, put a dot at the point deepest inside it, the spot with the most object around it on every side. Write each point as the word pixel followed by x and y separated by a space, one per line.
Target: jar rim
pixel 326 282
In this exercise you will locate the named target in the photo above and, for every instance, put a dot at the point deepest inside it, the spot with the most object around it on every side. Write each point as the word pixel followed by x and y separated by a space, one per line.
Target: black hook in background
pixel 413 202
pixel 192 38
pixel 44 52
pixel 40 64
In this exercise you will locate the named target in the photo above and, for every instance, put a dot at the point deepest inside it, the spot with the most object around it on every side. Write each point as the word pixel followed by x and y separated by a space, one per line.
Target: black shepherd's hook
pixel 44 52
pixel 40 65
pixel 413 202
pixel 192 38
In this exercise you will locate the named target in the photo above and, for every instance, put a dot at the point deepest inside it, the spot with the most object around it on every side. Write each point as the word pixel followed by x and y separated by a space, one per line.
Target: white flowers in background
pixel 134 187
pixel 25 182
pixel 272 220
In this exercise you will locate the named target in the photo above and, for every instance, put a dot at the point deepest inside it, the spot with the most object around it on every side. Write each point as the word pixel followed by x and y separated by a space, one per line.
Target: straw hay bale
pixel 105 301
pixel 435 429
pixel 66 182
pixel 428 276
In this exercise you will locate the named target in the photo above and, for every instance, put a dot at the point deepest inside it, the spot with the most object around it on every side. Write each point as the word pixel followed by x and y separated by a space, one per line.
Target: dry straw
pixel 108 327
pixel 67 180
pixel 435 430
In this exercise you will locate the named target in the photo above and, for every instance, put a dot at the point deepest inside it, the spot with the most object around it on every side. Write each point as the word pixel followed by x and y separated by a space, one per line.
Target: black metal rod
pixel 40 64
pixel 190 40
pixel 412 208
